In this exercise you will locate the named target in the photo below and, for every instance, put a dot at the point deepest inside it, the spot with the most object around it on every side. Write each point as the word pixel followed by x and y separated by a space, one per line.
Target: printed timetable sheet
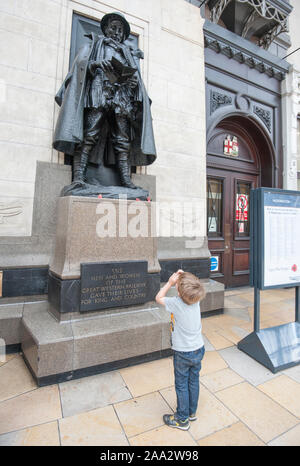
pixel 281 239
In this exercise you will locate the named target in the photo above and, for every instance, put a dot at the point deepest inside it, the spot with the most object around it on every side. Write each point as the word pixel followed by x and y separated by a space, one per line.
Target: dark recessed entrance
pixel 239 157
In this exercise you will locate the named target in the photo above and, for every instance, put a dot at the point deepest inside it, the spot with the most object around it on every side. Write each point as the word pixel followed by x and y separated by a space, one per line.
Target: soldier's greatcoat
pixel 71 97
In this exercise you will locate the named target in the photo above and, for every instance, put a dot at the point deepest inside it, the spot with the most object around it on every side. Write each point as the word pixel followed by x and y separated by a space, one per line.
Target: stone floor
pixel 241 402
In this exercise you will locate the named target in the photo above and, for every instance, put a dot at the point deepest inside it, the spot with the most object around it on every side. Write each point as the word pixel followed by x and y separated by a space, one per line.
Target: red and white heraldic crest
pixel 231 146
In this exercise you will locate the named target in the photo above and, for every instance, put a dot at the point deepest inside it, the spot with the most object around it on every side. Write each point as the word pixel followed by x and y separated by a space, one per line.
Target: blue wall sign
pixel 214 263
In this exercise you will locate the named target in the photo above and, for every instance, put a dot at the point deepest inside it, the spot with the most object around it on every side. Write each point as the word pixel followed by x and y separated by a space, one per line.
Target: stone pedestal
pixel 100 313
pixel 100 230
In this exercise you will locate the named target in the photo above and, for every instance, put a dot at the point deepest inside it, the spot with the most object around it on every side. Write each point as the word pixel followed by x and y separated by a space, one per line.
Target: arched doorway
pixel 240 156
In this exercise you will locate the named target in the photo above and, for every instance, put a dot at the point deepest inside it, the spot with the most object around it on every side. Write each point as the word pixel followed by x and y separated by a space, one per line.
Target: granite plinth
pixel 102 230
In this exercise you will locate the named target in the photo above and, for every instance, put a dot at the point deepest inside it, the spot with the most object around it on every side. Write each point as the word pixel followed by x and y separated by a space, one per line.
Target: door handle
pixel 227 238
pixel 227 249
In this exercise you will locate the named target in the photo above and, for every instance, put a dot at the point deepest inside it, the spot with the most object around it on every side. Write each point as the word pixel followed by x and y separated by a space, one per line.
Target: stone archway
pixel 229 181
pixel 256 136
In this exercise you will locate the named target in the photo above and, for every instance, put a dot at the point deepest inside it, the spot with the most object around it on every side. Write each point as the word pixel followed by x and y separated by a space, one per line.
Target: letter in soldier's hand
pixel 119 73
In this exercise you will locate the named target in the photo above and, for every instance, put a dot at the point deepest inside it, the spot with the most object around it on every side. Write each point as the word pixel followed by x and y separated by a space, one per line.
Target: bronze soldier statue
pixel 105 115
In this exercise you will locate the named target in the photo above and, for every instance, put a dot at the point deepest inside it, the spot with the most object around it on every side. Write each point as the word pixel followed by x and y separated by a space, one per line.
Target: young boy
pixel 187 343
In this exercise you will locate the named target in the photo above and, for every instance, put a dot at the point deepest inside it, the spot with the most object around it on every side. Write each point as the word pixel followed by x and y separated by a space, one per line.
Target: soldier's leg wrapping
pixel 92 121
pixel 121 143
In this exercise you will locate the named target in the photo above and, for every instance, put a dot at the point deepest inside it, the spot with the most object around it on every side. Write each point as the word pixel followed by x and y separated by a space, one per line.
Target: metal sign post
pixel 274 263
pixel 297 300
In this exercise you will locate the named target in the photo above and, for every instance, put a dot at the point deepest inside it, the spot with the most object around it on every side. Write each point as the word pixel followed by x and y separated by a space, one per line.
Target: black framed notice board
pixel 274 263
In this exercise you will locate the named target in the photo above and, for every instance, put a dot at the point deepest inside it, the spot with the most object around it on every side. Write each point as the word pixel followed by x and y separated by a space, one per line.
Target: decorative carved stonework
pixel 232 51
pixel 242 102
pixel 218 100
pixel 9 210
pixel 264 115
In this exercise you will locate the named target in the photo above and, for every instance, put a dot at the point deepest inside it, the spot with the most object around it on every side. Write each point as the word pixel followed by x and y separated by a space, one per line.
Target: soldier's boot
pixel 79 167
pixel 124 171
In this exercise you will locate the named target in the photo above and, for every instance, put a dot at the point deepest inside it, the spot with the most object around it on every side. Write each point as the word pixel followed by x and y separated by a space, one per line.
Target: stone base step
pixel 55 351
pixel 11 313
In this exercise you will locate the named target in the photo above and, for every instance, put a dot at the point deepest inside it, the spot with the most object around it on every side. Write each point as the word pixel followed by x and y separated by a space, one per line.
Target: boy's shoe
pixel 192 417
pixel 172 421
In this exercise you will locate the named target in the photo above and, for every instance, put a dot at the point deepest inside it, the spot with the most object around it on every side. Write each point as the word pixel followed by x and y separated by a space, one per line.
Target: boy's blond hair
pixel 190 288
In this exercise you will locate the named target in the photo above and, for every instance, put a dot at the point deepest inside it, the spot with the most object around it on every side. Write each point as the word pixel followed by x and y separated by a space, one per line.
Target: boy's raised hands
pixel 173 279
pixel 163 291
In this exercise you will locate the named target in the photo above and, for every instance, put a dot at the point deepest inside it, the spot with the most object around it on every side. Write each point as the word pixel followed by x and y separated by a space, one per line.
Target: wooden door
pixel 228 224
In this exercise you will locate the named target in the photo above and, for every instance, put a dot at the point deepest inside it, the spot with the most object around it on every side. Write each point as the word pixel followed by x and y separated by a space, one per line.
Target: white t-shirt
pixel 187 334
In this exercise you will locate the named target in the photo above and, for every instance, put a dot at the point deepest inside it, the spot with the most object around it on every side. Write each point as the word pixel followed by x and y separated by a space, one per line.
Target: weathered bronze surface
pixel 105 118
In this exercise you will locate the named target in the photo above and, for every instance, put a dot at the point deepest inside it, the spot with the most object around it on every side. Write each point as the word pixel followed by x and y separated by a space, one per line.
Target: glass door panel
pixel 214 207
pixel 242 209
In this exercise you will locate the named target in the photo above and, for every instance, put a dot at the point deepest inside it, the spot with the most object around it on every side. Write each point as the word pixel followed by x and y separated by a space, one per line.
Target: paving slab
pixel 99 427
pixel 266 418
pixel 169 396
pixel 35 407
pixel 293 373
pixel 7 357
pixel 241 402
pixel 220 380
pixel 211 414
pixel 163 436
pixel 217 340
pixel 246 366
pixel 238 301
pixel 149 377
pixel 37 436
pixel 92 392
pixel 15 378
pixel 288 439
pixel 240 313
pixel 237 435
pixel 239 290
pixel 142 413
pixel 212 362
pixel 284 391
pixel 208 346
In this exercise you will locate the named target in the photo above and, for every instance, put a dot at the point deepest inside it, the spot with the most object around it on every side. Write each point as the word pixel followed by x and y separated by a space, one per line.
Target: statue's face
pixel 115 30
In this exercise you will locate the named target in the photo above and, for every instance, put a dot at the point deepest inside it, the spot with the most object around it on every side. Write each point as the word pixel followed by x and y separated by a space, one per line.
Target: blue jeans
pixel 187 365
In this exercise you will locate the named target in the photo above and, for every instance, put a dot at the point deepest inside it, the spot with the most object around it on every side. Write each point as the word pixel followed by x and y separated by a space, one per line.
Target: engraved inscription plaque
pixel 113 284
